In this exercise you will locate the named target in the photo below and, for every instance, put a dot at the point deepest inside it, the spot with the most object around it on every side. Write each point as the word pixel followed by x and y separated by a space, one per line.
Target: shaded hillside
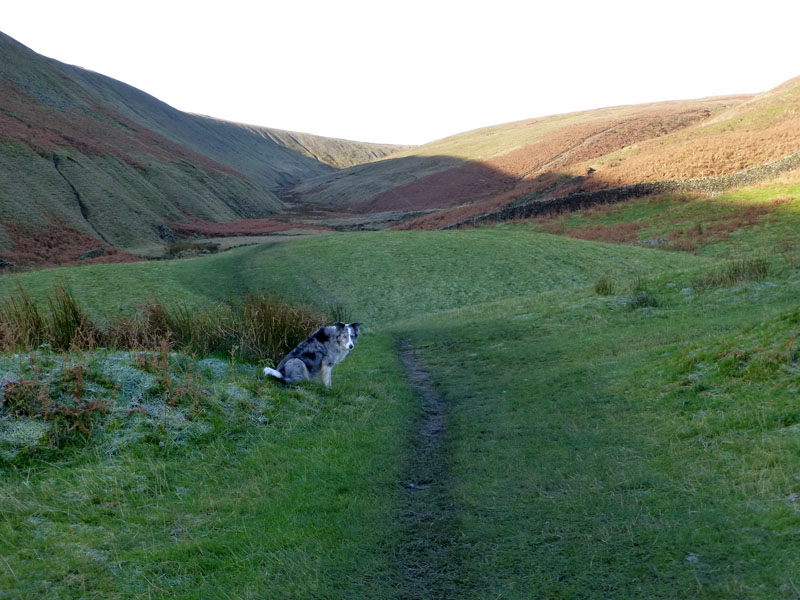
pixel 335 152
pixel 81 150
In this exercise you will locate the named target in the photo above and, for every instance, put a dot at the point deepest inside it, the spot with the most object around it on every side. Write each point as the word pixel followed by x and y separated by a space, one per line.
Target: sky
pixel 413 71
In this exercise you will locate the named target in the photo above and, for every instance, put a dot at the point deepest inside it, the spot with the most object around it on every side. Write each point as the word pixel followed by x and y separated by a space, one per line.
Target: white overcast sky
pixel 411 71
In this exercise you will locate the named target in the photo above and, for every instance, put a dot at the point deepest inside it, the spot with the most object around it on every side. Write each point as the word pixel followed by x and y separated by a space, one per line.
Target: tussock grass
pixel 255 329
pixel 604 287
pixel 642 299
pixel 259 327
pixel 24 325
pixel 733 273
pixel 21 321
pixel 641 293
pixel 68 324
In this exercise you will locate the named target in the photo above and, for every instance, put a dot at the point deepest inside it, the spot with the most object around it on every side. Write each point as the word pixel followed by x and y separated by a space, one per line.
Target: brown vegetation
pixel 439 190
pixel 650 145
pixel 619 233
pixel 716 228
pixel 689 231
pixel 197 226
pixel 58 245
pixel 65 406
pixel 96 131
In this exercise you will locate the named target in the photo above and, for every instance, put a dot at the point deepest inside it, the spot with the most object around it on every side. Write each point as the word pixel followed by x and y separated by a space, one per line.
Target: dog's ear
pixel 339 325
pixel 356 327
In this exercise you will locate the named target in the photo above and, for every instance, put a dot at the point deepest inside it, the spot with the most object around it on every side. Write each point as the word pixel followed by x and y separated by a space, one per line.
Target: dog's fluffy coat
pixel 315 357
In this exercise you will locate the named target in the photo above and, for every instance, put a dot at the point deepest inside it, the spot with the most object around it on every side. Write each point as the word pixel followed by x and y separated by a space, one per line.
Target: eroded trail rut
pixel 426 556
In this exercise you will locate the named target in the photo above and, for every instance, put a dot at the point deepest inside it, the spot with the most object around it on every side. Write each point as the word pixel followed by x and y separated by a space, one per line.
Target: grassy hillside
pixel 635 439
pixel 273 157
pixel 734 225
pixel 748 133
pixel 378 276
pixel 83 151
pixel 595 451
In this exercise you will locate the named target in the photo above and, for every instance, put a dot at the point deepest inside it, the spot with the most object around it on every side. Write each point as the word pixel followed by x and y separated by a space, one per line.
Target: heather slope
pixel 502 160
pixel 81 150
pixel 483 171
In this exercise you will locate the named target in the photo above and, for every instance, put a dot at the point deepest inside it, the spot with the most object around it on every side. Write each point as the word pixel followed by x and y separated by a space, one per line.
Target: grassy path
pixel 428 568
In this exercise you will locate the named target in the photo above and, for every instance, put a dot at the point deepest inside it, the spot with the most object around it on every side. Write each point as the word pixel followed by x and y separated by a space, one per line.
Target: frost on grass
pixel 146 396
pixel 18 434
pixel 214 368
pixel 134 383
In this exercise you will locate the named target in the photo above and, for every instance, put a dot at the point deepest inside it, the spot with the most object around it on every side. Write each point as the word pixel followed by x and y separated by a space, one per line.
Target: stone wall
pixel 570 202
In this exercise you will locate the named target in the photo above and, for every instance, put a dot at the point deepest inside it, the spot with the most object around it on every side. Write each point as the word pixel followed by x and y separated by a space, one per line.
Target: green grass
pixel 594 447
pixel 281 493
pixel 740 224
pixel 595 452
pixel 379 276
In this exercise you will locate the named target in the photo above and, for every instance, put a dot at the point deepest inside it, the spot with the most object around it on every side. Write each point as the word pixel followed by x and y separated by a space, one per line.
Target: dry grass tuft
pixel 259 328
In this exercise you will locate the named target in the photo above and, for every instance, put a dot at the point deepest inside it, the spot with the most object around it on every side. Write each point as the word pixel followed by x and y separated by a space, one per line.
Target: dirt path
pixel 425 556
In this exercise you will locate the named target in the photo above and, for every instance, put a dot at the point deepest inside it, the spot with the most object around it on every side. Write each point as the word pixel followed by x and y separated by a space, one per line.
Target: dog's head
pixel 347 334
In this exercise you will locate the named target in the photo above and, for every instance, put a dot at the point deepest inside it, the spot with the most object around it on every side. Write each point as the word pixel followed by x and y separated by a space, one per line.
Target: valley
pixel 577 375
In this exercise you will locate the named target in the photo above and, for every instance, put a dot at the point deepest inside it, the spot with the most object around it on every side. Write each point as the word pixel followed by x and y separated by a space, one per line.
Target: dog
pixel 315 357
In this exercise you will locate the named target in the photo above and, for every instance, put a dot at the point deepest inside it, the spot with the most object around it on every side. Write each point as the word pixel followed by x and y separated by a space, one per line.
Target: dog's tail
pixel 273 373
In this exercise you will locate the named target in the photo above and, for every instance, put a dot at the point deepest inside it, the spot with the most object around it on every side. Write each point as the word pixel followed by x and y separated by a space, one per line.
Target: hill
pixel 87 161
pixel 481 164
pixel 487 170
pixel 84 153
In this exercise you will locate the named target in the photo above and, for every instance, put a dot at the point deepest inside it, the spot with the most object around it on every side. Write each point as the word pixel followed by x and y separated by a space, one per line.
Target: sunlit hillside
pixel 483 171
